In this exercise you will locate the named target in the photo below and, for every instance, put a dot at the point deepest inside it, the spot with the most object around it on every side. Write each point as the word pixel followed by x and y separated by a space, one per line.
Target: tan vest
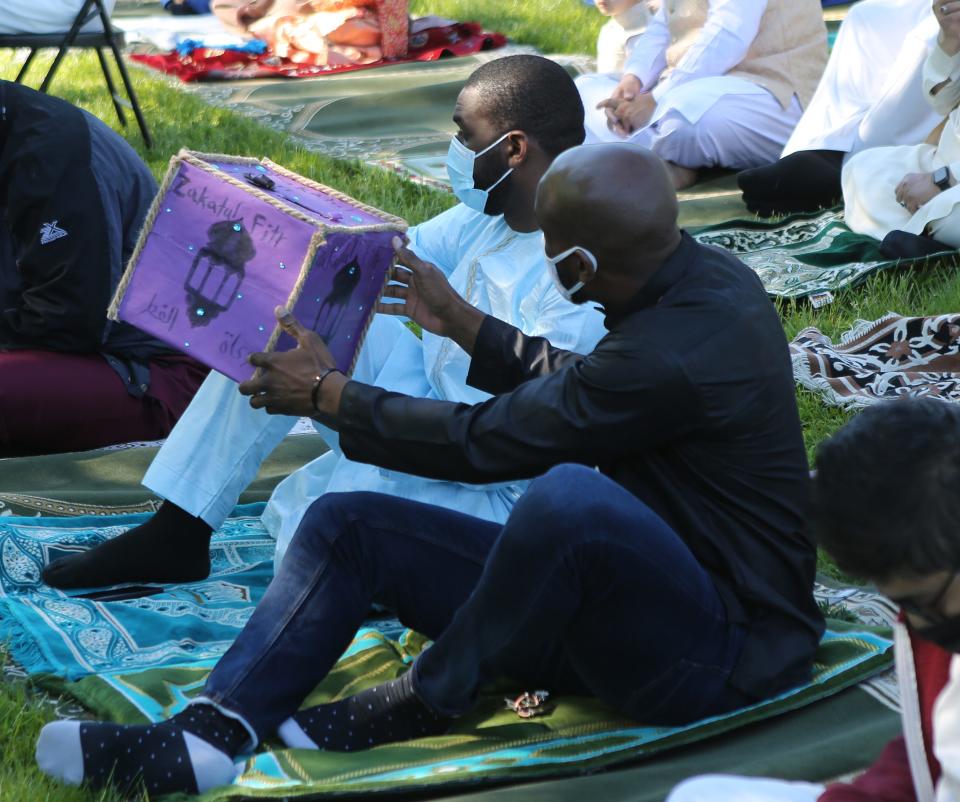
pixel 788 56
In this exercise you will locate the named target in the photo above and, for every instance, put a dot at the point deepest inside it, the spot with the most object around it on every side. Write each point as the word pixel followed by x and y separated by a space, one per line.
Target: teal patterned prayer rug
pixel 142 659
pixel 804 255
pixel 49 631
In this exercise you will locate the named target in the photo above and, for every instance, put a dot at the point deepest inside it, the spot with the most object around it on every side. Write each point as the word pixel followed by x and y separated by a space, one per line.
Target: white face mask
pixel 553 261
pixel 460 162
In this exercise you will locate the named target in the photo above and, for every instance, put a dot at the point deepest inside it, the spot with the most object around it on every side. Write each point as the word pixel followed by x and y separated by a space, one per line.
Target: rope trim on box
pixel 203 161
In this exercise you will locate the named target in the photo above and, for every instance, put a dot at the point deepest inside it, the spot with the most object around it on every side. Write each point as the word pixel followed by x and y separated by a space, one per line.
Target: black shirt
pixel 688 403
pixel 73 197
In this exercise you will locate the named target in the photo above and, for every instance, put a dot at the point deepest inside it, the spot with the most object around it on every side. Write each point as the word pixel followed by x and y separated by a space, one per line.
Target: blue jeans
pixel 584 590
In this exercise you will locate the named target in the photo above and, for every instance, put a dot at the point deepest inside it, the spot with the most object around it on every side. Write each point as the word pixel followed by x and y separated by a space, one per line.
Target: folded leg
pixel 743 127
pixel 35 420
pixel 587 589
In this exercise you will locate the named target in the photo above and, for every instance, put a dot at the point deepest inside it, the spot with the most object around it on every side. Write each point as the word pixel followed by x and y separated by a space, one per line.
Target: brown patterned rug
pixel 893 357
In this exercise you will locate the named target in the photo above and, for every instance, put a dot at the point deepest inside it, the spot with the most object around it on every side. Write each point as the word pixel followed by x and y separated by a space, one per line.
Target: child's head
pixel 610 8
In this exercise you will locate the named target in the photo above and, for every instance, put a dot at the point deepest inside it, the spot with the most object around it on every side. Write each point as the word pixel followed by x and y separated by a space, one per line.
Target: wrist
pixel 318 386
pixel 465 326
pixel 942 178
pixel 328 397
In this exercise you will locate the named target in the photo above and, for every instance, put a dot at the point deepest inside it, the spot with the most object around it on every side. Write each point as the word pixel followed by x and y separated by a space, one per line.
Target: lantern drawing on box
pixel 332 308
pixel 217 271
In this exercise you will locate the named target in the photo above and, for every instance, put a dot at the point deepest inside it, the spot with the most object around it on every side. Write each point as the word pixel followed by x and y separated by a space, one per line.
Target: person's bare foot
pixel 683 177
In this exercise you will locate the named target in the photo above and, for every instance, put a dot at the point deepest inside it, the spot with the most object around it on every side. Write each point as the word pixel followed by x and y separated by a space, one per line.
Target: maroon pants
pixel 52 402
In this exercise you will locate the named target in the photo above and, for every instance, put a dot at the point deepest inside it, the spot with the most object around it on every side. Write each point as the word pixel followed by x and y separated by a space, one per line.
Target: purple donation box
pixel 228 239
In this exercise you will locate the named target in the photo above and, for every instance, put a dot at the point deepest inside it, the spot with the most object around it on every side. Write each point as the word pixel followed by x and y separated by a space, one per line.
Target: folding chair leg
pixel 66 44
pixel 26 66
pixel 125 77
pixel 111 87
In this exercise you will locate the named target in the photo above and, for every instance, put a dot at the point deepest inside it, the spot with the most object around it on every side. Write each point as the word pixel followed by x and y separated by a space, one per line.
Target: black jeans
pixel 584 590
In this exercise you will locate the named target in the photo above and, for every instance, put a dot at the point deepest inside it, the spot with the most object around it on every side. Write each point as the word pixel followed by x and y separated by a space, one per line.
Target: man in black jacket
pixel 73 196
pixel 660 563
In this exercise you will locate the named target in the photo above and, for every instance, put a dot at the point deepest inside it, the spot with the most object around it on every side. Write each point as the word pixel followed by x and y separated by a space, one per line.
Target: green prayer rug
pixel 804 255
pixel 489 745
pixel 106 481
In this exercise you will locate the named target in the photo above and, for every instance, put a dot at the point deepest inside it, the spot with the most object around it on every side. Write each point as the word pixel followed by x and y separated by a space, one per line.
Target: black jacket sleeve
pixel 621 400
pixel 63 258
pixel 504 357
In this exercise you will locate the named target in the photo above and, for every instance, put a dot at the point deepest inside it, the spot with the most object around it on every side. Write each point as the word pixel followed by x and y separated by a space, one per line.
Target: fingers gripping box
pixel 229 239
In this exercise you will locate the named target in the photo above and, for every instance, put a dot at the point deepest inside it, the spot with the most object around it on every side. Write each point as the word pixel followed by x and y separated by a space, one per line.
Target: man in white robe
pixel 913 188
pixel 871 95
pixel 719 83
pixel 515 115
pixel 45 16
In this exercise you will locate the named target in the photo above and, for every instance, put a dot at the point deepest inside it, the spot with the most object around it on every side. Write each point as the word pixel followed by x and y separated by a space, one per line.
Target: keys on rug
pixel 190 753
pixel 378 715
pixel 529 705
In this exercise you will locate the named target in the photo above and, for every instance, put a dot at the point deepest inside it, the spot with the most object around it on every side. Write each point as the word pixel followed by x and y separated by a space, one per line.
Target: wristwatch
pixel 942 178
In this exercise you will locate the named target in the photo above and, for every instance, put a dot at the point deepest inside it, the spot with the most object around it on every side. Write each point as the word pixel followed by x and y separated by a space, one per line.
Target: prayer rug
pixel 141 659
pixel 893 357
pixel 804 255
pixel 203 63
pixel 490 744
pixel 106 481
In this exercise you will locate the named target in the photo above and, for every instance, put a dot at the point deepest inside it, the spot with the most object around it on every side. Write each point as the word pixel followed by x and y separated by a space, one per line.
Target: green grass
pixel 552 26
pixel 21 717
pixel 179 119
pixel 182 120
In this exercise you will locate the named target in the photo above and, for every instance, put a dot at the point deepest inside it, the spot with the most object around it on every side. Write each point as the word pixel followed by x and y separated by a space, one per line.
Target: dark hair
pixel 534 95
pixel 886 497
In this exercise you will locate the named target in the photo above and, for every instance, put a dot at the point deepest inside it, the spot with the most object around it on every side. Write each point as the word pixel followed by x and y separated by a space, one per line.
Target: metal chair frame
pixel 109 37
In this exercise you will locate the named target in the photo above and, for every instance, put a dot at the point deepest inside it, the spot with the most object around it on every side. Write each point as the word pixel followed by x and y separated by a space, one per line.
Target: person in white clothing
pixel 515 114
pixel 885 503
pixel 871 95
pixel 912 188
pixel 617 38
pixel 45 16
pixel 719 83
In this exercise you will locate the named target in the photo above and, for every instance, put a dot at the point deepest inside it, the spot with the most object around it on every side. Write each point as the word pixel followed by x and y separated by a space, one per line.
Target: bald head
pixel 615 199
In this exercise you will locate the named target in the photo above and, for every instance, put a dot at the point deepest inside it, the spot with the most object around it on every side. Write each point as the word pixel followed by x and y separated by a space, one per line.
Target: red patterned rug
pixel 214 64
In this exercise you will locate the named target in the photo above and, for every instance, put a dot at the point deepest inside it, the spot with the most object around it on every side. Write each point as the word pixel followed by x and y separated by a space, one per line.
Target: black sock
pixel 902 245
pixel 189 753
pixel 801 182
pixel 172 546
pixel 379 715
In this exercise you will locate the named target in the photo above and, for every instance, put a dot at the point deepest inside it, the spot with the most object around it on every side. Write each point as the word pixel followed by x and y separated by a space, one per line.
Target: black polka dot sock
pixel 379 715
pixel 190 753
